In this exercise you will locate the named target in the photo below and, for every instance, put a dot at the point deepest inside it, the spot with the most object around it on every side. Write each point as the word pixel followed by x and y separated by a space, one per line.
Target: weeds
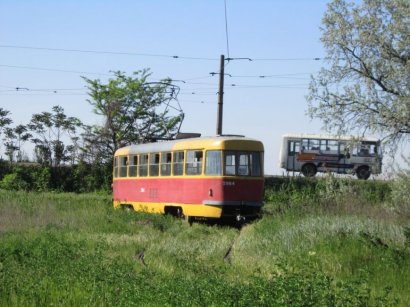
pixel 317 244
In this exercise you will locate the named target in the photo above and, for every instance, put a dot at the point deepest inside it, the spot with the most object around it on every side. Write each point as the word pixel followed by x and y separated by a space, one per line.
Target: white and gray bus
pixel 312 153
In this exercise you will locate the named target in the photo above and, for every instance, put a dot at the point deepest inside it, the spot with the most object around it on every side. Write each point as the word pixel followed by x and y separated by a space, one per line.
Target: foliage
pixel 77 178
pixel 365 87
pixel 134 111
pixel 400 190
pixel 14 139
pixel 14 181
pixel 49 129
pixel 75 249
pixel 4 119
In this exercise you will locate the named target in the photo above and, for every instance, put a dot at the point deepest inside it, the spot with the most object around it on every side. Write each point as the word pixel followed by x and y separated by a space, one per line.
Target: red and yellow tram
pixel 211 177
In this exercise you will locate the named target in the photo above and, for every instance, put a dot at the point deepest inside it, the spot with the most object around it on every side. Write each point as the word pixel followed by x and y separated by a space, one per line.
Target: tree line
pixel 134 111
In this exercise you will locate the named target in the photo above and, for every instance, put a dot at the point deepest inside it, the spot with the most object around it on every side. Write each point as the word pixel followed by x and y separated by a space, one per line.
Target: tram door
pixel 293 151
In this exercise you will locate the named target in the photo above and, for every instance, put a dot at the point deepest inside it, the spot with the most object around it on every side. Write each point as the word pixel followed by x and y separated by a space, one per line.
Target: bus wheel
pixel 309 170
pixel 363 172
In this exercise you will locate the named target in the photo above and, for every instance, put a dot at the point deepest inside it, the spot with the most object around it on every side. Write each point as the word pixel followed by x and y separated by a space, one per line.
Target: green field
pixel 320 244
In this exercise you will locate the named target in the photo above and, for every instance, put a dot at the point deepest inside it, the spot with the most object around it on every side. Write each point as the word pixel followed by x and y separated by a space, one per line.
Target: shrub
pixel 14 181
pixel 400 190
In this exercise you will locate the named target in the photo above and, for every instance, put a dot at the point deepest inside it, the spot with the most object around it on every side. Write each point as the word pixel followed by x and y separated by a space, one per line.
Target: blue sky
pixel 281 37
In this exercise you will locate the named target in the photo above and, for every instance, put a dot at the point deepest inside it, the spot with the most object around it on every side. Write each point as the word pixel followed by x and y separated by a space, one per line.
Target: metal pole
pixel 220 97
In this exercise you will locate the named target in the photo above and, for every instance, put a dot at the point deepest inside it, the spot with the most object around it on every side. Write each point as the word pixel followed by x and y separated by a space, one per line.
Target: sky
pixel 47 46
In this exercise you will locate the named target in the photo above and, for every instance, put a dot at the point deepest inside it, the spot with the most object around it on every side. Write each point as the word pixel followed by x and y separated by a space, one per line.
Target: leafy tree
pixel 135 111
pixel 50 129
pixel 4 119
pixel 13 139
pixel 366 85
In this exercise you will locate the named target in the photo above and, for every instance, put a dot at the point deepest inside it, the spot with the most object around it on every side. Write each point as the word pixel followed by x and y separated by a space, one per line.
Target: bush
pixel 400 191
pixel 14 181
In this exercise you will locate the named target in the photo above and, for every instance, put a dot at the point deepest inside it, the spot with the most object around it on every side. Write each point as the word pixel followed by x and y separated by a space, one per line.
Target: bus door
pixel 293 151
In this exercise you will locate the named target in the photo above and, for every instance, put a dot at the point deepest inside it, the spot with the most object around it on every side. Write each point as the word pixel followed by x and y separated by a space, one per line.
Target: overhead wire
pixel 156 55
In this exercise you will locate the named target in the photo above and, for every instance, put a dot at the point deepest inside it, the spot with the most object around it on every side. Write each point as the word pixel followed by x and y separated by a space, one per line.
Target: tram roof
pixel 210 142
pixel 329 137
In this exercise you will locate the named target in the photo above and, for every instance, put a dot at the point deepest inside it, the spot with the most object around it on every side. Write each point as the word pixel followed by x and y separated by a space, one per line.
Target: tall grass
pixel 307 249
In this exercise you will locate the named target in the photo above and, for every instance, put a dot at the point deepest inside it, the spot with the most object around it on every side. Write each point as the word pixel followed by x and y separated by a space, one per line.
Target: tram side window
pixel 213 165
pixel 132 167
pixel 123 166
pixel 178 163
pixel 166 163
pixel 143 166
pixel 115 174
pixel 194 162
pixel 230 164
pixel 154 164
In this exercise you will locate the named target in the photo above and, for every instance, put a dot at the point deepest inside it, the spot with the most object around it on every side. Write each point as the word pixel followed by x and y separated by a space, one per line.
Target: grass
pixel 308 249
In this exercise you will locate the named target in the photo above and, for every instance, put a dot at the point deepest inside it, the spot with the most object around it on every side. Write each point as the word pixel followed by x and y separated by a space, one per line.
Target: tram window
pixel 213 163
pixel 143 166
pixel 132 167
pixel 243 167
pixel 166 163
pixel 255 158
pixel 115 174
pixel 230 165
pixel 194 162
pixel 123 166
pixel 154 164
pixel 178 163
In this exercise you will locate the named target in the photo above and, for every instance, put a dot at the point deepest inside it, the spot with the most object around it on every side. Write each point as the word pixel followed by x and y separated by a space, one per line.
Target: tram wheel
pixel 189 219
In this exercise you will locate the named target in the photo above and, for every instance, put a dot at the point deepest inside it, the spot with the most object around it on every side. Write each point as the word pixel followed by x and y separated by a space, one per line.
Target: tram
pixel 200 177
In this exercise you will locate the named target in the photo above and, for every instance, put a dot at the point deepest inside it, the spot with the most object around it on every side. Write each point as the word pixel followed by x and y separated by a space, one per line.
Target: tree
pixel 134 110
pixel 365 88
pixel 50 129
pixel 4 120
pixel 13 139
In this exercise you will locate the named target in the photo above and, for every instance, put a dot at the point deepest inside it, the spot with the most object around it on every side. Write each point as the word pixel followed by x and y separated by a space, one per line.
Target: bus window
pixel 166 163
pixel 143 166
pixel 194 162
pixel 255 163
pixel 115 174
pixel 213 163
pixel 230 164
pixel 293 148
pixel 313 144
pixel 329 146
pixel 132 167
pixel 154 164
pixel 123 166
pixel 178 163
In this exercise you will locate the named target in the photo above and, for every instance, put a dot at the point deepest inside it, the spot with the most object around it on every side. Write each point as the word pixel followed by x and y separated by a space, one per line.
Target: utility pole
pixel 220 96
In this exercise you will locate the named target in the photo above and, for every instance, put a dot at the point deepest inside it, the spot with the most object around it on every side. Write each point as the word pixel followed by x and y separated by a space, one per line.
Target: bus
pixel 313 153
pixel 201 177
